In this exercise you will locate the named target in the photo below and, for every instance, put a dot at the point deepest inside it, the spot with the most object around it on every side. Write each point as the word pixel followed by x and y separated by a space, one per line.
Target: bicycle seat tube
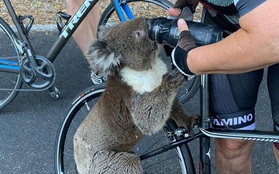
pixel 205 164
pixel 16 21
pixel 26 45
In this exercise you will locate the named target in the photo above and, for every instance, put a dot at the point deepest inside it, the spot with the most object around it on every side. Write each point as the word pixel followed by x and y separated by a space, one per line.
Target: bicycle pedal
pixel 26 22
pixel 62 20
pixel 54 92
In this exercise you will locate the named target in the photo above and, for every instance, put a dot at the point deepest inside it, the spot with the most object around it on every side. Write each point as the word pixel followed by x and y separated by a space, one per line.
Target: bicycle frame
pixel 11 66
pixel 204 132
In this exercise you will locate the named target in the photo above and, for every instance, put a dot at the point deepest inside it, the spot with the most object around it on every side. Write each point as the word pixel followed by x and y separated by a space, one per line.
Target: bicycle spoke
pixel 160 162
pixel 9 60
pixel 147 150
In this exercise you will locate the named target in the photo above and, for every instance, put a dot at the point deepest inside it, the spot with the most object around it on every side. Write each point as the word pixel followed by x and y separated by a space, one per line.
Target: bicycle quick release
pixel 163 30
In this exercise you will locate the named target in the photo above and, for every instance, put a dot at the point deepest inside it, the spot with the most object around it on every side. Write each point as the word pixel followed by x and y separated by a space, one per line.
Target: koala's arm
pixel 151 109
pixel 181 118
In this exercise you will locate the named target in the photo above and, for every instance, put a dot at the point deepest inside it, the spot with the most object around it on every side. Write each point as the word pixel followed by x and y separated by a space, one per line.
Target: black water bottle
pixel 163 30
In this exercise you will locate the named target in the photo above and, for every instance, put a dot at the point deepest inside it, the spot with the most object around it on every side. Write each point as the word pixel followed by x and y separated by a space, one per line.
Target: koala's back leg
pixel 109 162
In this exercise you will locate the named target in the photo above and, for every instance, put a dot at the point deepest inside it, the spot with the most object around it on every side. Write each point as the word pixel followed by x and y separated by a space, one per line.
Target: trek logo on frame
pixel 76 18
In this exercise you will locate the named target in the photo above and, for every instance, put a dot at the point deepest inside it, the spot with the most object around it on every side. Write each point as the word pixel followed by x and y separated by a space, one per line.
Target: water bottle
pixel 163 30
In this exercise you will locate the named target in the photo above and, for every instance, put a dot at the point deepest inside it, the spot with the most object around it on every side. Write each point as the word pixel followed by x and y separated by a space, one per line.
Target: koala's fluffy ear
pixel 102 59
pixel 104 29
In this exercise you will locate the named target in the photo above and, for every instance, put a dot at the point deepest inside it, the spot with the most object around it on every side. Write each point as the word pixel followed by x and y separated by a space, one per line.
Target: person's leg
pixel 276 152
pixel 233 156
pixel 273 88
pixel 87 30
pixel 232 101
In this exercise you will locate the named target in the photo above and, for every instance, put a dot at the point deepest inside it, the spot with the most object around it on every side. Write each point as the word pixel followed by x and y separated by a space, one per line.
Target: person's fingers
pixel 174 12
pixel 182 25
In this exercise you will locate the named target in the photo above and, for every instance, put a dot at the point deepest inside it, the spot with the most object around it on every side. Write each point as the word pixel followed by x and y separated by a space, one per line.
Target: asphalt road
pixel 29 124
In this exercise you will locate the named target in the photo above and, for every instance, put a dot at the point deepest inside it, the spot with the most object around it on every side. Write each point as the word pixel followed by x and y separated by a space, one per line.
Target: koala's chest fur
pixel 144 81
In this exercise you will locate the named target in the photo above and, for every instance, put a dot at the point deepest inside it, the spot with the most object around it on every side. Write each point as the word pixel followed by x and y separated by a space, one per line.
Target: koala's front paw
pixel 173 79
pixel 192 121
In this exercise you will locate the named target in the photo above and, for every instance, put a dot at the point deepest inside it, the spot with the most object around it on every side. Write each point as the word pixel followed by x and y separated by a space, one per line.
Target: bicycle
pixel 169 150
pixel 20 64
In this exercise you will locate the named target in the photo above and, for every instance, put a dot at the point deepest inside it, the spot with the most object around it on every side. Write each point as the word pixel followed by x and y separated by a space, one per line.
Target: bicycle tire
pixel 64 160
pixel 10 81
pixel 190 88
pixel 108 13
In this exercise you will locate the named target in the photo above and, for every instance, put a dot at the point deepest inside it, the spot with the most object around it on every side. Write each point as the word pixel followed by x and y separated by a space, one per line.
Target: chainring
pixel 40 77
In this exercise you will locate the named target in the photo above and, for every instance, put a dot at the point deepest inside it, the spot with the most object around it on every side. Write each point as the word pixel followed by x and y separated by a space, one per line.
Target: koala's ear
pixel 102 59
pixel 104 29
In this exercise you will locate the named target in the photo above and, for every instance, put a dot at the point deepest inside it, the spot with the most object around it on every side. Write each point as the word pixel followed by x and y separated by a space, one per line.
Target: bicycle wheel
pixel 146 8
pixel 9 55
pixel 173 161
pixel 151 9
pixel 189 89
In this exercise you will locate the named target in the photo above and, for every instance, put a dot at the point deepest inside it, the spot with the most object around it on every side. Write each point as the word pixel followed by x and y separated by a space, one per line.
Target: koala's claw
pixel 187 122
pixel 173 79
pixel 192 121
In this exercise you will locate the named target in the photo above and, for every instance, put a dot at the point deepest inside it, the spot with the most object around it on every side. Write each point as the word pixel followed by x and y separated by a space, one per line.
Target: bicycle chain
pixel 29 90
pixel 26 90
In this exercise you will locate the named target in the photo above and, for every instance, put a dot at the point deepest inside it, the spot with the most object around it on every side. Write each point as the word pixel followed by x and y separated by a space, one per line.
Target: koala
pixel 139 98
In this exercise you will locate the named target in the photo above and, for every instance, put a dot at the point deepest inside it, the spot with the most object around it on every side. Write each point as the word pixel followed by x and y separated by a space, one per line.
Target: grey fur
pixel 124 112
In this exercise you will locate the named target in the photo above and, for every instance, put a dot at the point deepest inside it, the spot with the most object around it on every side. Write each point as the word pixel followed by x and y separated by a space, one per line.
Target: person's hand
pixel 179 54
pixel 181 7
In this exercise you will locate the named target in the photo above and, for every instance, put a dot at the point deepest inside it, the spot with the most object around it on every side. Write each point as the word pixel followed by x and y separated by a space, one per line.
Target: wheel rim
pixel 10 81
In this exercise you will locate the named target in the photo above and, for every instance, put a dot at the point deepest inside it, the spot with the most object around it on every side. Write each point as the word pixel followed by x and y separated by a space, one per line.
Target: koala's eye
pixel 138 34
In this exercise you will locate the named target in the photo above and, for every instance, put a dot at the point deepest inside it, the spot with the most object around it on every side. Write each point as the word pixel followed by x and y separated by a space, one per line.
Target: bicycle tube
pixel 9 65
pixel 120 13
pixel 205 160
pixel 82 103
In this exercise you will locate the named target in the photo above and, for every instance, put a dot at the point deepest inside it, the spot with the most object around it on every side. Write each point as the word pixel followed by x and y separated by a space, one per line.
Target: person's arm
pixel 254 46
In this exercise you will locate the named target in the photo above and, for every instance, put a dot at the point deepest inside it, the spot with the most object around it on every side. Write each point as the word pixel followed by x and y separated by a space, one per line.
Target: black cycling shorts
pixel 233 99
